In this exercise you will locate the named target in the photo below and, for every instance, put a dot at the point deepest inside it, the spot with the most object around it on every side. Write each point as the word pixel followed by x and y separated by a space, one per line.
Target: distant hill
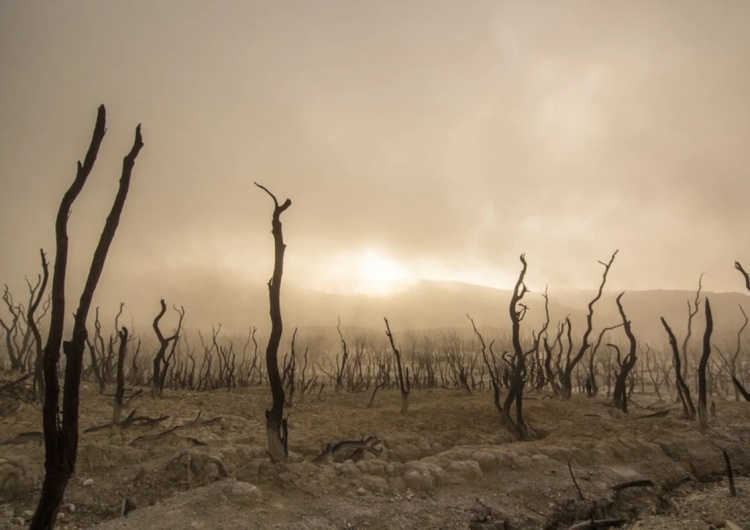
pixel 428 305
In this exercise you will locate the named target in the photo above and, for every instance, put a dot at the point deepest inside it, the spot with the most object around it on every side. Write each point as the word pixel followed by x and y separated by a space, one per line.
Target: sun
pixel 380 275
pixel 365 271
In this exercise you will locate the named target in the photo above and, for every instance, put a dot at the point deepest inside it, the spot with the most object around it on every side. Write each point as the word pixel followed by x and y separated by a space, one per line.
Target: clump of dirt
pixel 447 463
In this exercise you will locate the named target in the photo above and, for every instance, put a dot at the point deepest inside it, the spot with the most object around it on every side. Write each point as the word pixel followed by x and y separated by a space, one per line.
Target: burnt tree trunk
pixel 518 365
pixel 683 391
pixel 404 383
pixel 120 390
pixel 61 432
pixel 160 362
pixel 276 424
pixel 566 383
pixel 39 349
pixel 702 410
pixel 620 396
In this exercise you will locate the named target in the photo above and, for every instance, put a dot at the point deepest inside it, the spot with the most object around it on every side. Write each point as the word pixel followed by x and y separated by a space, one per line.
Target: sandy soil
pixel 447 463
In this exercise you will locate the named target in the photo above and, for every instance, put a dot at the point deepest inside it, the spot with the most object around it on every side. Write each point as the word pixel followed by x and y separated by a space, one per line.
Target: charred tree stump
pixel 276 424
pixel 61 431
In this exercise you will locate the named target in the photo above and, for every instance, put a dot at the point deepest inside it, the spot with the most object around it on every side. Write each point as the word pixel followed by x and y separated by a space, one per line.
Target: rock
pixel 375 484
pixel 242 491
pixel 418 479
pixel 406 452
pixel 462 471
pixel 487 461
pixel 27 515
pixel 71 508
pixel 87 483
pixel 361 491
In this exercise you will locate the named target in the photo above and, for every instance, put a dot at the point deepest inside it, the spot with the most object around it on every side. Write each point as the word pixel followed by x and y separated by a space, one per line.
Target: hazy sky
pixel 432 139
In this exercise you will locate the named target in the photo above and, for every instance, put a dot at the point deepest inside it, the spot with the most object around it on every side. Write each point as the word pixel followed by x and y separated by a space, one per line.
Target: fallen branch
pixel 9 386
pixel 660 414
pixel 643 483
pixel 332 449
pixel 598 524
pixel 575 482
pixel 25 437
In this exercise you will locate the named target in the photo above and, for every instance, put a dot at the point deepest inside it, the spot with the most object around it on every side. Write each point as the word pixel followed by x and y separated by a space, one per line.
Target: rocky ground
pixel 447 463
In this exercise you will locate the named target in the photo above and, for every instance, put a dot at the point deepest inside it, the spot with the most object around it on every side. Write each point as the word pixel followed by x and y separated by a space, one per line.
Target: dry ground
pixel 447 463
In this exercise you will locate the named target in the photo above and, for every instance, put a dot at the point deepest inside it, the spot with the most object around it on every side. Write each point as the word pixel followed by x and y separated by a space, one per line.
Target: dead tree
pixel 702 410
pixel 31 319
pixel 341 367
pixel 276 424
pixel 736 354
pixel 592 388
pixel 683 391
pixel 161 363
pixel 744 273
pixel 517 311
pixel 404 383
pixel 120 389
pixel 11 330
pixel 620 396
pixel 692 311
pixel 492 366
pixel 566 383
pixel 61 430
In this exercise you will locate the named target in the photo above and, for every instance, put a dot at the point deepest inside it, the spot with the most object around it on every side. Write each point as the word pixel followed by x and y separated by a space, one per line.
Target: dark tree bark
pixel 702 410
pixel 341 368
pixel 745 275
pixel 31 318
pixel 61 433
pixel 518 363
pixel 620 396
pixel 566 383
pixel 688 409
pixel 276 424
pixel 161 363
pixel 692 311
pixel 404 383
pixel 120 389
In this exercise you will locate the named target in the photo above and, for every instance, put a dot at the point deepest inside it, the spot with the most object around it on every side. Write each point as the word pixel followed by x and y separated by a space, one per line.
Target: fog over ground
pixel 417 140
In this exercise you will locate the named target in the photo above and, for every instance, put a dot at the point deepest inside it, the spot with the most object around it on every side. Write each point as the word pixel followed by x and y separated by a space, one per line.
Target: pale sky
pixel 417 139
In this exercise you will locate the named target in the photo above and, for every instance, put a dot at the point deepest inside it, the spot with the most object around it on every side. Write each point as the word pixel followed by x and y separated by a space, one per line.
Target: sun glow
pixel 369 271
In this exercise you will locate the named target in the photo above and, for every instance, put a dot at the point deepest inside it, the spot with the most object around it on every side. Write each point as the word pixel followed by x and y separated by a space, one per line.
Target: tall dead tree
pixel 702 410
pixel 276 424
pixel 517 311
pixel 566 382
pixel 683 391
pixel 61 430
pixel 620 395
